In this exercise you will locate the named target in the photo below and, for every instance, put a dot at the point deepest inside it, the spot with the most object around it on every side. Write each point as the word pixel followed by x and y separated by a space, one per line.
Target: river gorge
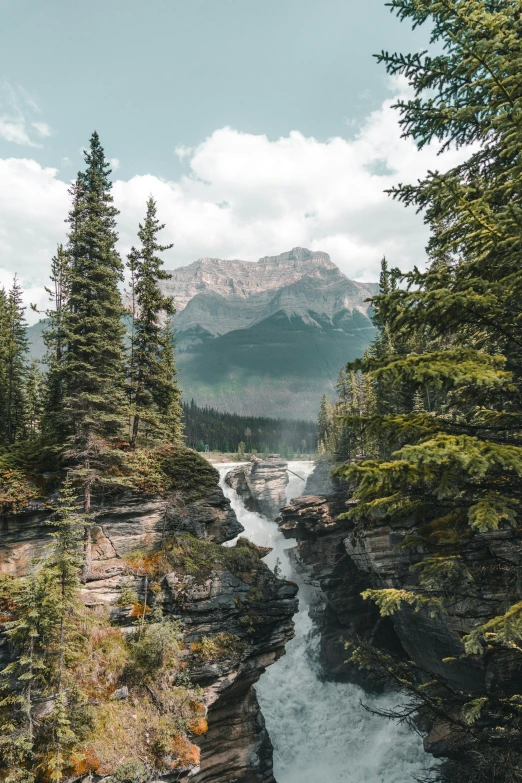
pixel 320 729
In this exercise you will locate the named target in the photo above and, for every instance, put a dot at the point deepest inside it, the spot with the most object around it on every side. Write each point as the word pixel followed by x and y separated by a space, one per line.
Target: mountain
pixel 265 338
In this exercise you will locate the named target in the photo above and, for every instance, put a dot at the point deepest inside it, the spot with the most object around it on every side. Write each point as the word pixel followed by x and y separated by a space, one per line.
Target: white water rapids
pixel 320 731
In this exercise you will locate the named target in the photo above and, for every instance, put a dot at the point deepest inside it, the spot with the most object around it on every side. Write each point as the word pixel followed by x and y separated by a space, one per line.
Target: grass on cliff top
pixel 148 471
pixel 187 555
pixel 189 472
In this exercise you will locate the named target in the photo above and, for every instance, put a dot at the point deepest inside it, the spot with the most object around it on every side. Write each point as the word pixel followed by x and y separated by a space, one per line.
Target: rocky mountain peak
pixel 244 279
pixel 299 256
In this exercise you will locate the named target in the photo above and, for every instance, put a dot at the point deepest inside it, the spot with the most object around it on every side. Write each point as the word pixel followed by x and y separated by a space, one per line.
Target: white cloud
pixel 19 117
pixel 245 196
pixel 43 129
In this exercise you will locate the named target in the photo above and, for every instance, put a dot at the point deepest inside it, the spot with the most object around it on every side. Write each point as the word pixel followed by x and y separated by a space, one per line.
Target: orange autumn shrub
pixel 187 754
pixel 198 726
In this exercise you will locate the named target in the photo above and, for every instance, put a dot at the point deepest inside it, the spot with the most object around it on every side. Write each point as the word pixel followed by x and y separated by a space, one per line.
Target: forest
pixel 230 432
pixel 427 426
pixel 424 441
pixel 105 417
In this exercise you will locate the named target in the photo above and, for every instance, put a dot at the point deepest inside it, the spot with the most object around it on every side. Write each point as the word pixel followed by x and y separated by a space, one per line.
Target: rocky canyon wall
pixel 242 611
pixel 344 558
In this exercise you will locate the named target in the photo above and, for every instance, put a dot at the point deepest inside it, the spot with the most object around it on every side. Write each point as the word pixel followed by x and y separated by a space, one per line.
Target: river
pixel 320 731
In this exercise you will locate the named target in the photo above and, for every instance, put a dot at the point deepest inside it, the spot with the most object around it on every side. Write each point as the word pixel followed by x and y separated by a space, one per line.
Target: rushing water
pixel 319 729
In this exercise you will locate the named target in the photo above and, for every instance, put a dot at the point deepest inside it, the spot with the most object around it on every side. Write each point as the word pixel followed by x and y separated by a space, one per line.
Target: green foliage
pixel 13 367
pixel 157 647
pixel 223 431
pixel 504 631
pixel 187 472
pixel 389 601
pixel 218 647
pixel 153 391
pixel 86 338
pixel 186 554
pixel 16 490
pixel 436 444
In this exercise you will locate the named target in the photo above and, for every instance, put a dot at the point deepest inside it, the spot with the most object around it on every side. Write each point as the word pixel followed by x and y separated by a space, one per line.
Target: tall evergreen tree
pixel 155 404
pixel 323 423
pixel 64 564
pixel 92 366
pixel 450 433
pixel 53 424
pixel 168 394
pixel 34 398
pixel 43 631
pixel 4 343
pixel 15 367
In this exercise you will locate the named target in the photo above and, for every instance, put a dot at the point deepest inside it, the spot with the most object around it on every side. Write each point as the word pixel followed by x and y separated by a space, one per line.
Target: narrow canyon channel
pixel 320 730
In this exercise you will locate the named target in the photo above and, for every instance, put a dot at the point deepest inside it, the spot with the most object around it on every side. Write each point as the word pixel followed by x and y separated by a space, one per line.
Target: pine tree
pixel 27 680
pixel 154 395
pixel 167 396
pixel 64 564
pixel 34 398
pixel 91 366
pixel 323 423
pixel 4 343
pixel 447 365
pixel 14 360
pixel 53 423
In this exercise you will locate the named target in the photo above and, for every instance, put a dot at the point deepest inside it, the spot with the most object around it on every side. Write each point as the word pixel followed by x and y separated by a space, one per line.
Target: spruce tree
pixel 42 617
pixel 448 362
pixel 323 423
pixel 14 354
pixel 64 564
pixel 168 394
pixel 53 424
pixel 34 398
pixel 4 342
pixel 25 680
pixel 92 366
pixel 154 396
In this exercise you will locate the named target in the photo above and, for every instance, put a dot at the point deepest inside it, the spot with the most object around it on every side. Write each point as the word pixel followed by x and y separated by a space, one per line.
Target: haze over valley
pixel 264 338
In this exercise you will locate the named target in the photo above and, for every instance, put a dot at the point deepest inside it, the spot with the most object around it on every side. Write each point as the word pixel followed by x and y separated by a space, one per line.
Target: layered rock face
pixel 245 280
pixel 263 338
pixel 344 559
pixel 253 612
pixel 340 613
pixel 261 484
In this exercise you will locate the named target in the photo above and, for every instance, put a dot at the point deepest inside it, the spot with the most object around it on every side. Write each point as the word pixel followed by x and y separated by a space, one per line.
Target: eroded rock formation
pixel 247 612
pixel 344 558
pixel 261 484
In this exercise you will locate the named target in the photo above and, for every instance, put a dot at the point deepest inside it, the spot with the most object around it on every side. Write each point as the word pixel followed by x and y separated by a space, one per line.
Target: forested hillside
pixel 428 426
pixel 227 431
pixel 100 417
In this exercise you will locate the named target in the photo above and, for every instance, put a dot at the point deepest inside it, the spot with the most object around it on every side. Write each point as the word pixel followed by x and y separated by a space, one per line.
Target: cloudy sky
pixel 258 126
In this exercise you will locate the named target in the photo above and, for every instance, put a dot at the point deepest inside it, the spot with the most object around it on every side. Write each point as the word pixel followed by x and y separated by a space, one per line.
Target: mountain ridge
pixel 264 338
pixel 213 296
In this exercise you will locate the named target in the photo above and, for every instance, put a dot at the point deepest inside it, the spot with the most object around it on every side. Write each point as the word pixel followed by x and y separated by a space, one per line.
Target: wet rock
pixel 339 611
pixel 320 481
pixel 261 484
pixel 344 558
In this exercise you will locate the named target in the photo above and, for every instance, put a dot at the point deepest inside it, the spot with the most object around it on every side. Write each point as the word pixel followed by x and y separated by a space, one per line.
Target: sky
pixel 257 126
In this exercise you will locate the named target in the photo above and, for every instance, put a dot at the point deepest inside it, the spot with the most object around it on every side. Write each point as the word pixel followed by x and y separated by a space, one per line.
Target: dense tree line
pixel 92 397
pixel 95 415
pixel 227 431
pixel 428 426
